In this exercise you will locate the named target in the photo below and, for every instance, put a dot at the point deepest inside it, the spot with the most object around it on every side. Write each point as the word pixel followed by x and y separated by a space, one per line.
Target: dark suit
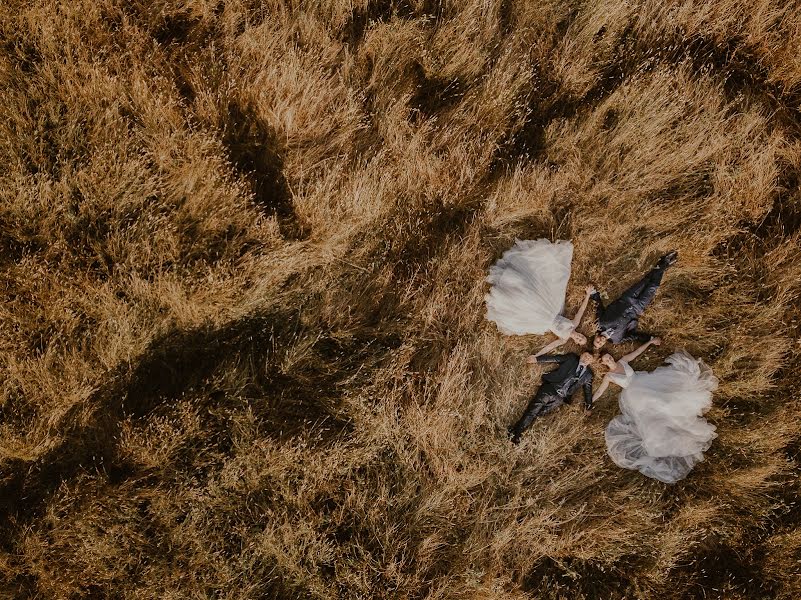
pixel 619 320
pixel 558 386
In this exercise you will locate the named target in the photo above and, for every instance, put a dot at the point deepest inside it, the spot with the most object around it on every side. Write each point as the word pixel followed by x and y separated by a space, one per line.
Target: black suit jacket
pixel 565 379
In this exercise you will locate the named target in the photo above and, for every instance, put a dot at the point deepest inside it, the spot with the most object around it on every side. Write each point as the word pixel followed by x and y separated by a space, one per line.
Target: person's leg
pixel 539 403
pixel 650 283
pixel 642 292
pixel 639 295
pixel 634 291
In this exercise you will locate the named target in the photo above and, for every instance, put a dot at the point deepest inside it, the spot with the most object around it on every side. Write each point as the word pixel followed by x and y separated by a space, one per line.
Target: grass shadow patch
pixel 574 578
pixel 435 95
pixel 174 363
pixel 256 153
pixel 720 567
pixel 417 237
pixel 13 249
pixel 286 400
pixel 381 11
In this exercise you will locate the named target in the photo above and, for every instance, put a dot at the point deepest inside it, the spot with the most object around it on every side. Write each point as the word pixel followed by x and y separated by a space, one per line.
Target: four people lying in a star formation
pixel 660 430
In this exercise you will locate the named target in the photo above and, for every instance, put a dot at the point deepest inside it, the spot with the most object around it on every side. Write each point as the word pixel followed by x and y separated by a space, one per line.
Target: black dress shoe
pixel 513 435
pixel 668 259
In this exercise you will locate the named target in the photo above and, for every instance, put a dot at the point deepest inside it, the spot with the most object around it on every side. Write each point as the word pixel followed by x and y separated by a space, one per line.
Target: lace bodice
pixel 622 379
pixel 562 327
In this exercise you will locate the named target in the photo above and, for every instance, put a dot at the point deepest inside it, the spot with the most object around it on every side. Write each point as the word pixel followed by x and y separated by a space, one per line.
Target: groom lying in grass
pixel 558 387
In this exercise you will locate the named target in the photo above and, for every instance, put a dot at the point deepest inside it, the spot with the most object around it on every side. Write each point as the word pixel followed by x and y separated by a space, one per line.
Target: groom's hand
pixel 532 360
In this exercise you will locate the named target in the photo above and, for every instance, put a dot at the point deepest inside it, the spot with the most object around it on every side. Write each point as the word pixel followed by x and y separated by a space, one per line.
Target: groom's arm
pixel 588 392
pixel 634 335
pixel 552 358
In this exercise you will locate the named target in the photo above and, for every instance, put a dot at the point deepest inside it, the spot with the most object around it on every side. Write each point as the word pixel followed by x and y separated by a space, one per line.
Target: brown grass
pixel 242 254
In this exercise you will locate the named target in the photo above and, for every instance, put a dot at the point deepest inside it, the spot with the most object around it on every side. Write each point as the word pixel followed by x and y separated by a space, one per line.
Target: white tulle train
pixel 528 288
pixel 660 431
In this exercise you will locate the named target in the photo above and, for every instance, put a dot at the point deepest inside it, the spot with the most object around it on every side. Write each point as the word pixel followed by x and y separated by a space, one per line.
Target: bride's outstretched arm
pixel 590 290
pixel 552 346
pixel 601 388
pixel 632 355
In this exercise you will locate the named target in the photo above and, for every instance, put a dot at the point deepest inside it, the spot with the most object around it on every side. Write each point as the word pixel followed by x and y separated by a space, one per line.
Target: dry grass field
pixel 243 244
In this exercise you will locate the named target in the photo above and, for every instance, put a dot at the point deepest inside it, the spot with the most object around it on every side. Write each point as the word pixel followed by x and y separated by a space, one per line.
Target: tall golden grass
pixel 243 245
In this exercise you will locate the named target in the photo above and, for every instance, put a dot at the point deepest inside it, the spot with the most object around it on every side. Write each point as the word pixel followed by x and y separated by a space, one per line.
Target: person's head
pixel 579 338
pixel 599 341
pixel 609 361
pixel 586 358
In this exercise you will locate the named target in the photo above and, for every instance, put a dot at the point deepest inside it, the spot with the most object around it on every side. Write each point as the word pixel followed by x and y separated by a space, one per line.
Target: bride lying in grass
pixel 527 294
pixel 660 431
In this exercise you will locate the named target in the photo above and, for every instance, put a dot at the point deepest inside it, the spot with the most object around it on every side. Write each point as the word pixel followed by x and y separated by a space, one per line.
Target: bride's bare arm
pixel 552 346
pixel 601 388
pixel 632 355
pixel 590 290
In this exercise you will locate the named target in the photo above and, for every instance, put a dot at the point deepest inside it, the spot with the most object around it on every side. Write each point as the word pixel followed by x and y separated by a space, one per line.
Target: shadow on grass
pixel 255 151
pixel 287 400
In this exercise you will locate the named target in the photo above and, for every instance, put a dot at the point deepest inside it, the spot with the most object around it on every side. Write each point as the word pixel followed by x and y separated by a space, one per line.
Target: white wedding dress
pixel 528 285
pixel 660 431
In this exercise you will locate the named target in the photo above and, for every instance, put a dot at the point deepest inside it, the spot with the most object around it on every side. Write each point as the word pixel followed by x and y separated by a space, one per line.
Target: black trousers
pixel 639 295
pixel 544 401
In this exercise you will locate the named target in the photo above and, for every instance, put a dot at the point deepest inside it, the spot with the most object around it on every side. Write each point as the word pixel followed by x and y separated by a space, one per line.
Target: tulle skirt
pixel 528 284
pixel 660 431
